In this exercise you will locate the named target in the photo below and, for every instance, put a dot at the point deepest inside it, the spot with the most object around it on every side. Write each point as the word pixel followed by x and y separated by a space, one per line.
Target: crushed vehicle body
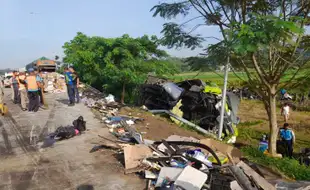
pixel 193 100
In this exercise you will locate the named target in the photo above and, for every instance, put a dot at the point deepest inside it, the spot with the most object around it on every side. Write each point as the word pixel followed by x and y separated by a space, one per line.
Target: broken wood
pixel 263 183
pixel 230 158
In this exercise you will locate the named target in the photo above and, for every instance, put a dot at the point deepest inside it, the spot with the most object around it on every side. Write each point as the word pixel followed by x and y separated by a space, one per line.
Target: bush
pixel 289 167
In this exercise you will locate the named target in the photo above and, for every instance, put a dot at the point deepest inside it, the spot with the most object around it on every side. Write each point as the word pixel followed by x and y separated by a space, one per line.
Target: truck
pixel 43 64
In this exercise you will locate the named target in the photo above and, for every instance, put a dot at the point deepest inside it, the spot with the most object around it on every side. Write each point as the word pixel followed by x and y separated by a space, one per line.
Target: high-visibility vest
pixel 32 83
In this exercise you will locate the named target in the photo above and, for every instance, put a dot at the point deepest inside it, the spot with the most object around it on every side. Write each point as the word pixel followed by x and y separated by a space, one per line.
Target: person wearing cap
pixel 76 83
pixel 33 91
pixel 39 76
pixel 23 90
pixel 288 139
pixel 263 144
pixel 15 86
pixel 70 87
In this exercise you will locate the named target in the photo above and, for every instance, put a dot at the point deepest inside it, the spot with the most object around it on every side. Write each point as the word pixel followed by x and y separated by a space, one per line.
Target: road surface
pixel 66 165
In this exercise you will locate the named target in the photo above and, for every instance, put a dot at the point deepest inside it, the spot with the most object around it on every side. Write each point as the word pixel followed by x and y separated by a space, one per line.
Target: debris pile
pixel 105 106
pixel 192 100
pixel 184 162
pixel 54 83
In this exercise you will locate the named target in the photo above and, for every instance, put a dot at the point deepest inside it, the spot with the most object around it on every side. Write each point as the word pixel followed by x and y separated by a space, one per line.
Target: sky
pixel 31 29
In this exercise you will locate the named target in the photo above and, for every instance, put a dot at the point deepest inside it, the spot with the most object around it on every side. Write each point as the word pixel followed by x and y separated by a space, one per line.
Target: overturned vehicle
pixel 194 101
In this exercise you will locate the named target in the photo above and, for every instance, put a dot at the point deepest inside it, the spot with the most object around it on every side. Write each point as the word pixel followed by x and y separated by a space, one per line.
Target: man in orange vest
pixel 23 90
pixel 33 85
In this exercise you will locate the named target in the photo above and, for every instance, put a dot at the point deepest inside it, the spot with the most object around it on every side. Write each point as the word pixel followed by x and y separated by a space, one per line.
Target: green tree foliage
pixel 117 65
pixel 265 38
pixel 201 63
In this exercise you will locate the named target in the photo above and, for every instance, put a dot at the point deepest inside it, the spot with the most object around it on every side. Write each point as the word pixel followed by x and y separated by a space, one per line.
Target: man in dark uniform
pixel 76 82
pixel 288 139
pixel 70 86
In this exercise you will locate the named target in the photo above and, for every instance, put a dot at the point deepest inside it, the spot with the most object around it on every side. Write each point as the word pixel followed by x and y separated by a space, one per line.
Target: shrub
pixel 289 167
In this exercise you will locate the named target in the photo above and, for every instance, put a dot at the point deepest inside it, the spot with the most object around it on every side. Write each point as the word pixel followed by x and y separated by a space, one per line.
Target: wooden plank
pixel 262 182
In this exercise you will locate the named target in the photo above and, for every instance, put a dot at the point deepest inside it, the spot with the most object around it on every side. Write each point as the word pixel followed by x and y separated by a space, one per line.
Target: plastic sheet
pixel 173 90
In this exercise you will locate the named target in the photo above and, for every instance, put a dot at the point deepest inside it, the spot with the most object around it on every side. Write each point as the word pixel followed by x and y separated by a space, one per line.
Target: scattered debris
pixel 134 154
pixel 172 163
pixel 54 82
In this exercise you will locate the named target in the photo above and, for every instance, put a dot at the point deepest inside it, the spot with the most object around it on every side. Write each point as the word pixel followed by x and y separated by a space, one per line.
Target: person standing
pixel 33 91
pixel 15 86
pixel 76 83
pixel 40 80
pixel 23 90
pixel 70 87
pixel 288 139
pixel 12 89
pixel 285 111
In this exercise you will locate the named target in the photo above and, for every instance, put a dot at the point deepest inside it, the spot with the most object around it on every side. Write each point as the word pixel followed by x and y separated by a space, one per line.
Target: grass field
pixel 212 76
pixel 234 79
pixel 254 122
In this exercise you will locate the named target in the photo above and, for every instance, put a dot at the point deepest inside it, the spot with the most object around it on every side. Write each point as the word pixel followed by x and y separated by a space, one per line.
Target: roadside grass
pixel 254 123
pixel 216 78
pixel 289 167
pixel 235 79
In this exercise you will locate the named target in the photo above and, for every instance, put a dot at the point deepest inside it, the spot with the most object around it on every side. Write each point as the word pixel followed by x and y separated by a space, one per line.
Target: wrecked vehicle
pixel 192 100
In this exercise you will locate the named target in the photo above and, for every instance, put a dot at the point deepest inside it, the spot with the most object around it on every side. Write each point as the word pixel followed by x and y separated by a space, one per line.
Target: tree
pixel 201 63
pixel 265 38
pixel 116 64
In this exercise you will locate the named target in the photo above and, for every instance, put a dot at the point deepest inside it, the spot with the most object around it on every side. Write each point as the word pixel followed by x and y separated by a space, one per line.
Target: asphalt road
pixel 66 165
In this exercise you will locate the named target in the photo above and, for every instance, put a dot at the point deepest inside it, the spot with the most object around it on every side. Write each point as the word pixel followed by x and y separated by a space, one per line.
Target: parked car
pixel 7 82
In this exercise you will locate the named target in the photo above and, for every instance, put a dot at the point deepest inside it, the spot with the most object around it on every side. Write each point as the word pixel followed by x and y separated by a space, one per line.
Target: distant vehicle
pixel 7 82
pixel 7 79
pixel 8 75
pixel 43 64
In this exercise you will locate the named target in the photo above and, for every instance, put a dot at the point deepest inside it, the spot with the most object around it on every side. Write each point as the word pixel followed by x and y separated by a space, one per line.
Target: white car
pixel 7 82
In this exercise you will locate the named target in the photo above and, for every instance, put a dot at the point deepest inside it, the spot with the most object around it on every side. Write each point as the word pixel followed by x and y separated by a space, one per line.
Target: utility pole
pixel 223 106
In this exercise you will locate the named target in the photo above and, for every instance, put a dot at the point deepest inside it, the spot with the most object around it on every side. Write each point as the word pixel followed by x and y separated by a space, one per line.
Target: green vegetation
pixel 250 123
pixel 289 167
pixel 117 65
pixel 213 77
pixel 264 39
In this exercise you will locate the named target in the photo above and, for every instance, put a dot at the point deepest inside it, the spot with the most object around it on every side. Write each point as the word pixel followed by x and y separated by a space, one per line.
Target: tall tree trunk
pixel 123 93
pixel 272 115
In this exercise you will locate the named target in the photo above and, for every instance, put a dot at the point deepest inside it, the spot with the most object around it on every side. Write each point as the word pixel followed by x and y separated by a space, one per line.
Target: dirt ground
pixel 65 166
pixel 253 113
pixel 155 127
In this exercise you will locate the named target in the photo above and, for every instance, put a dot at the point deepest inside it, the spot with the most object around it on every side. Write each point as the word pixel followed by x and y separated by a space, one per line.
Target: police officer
pixel 76 82
pixel 70 86
pixel 288 139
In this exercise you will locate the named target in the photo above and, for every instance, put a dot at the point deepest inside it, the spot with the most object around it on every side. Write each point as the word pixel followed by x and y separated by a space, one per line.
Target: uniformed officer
pixel 288 138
